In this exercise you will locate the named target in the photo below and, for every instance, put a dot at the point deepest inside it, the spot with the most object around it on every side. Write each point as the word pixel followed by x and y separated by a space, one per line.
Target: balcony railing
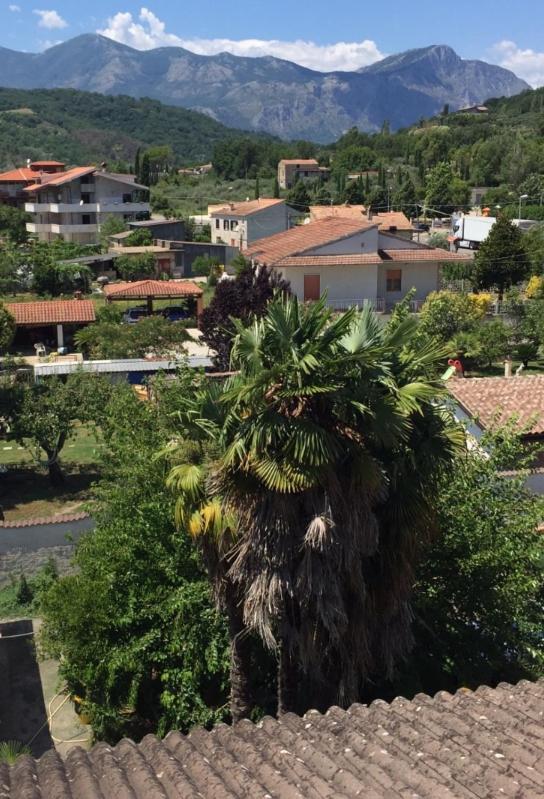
pixel 110 206
pixel 33 227
pixel 343 304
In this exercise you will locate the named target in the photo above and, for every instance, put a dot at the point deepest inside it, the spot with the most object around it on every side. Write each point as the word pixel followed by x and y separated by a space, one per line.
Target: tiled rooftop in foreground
pixel 486 744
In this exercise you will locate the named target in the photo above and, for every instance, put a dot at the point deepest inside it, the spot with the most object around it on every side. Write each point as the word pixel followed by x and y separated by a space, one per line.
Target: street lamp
pixel 522 197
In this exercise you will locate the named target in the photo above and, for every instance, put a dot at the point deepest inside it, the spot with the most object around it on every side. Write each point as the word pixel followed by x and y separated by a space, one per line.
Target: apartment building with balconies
pixel 72 205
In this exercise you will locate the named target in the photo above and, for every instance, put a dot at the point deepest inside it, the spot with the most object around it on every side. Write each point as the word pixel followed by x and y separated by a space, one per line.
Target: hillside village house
pixel 14 181
pixel 291 169
pixel 387 221
pixel 72 204
pixel 353 261
pixel 238 224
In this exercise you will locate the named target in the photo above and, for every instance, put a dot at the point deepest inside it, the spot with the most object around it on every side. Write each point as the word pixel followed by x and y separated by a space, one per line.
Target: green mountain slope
pixel 79 127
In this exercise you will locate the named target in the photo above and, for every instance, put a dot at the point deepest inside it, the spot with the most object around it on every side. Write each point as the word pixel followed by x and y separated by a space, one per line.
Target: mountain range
pixel 267 94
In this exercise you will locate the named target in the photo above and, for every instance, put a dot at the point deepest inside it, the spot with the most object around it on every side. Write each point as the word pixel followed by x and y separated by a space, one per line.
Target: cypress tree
pixel 145 173
pixel 276 192
pixel 137 166
pixel 257 189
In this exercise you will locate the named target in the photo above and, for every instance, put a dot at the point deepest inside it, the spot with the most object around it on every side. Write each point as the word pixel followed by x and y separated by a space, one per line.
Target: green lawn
pixel 82 448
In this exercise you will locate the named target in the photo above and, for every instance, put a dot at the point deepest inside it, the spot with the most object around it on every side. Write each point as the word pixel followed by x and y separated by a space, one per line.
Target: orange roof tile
pixel 51 312
pixel 300 161
pixel 47 163
pixel 302 238
pixel 59 178
pixel 152 288
pixel 357 259
pixel 246 208
pixel 20 175
pixel 424 253
pixel 383 220
pixel 493 400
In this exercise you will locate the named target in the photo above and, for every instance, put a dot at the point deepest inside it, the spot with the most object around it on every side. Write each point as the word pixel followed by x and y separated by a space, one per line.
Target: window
pixel 85 219
pixel 217 224
pixel 225 224
pixel 127 198
pixel 393 280
pixel 234 225
pixel 85 198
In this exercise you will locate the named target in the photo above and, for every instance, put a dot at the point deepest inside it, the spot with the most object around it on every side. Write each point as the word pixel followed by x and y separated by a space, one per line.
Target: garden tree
pixel 145 170
pixel 299 197
pixel 242 298
pixel 354 193
pixel 111 225
pixel 140 237
pixel 502 260
pixel 52 273
pixel 137 166
pixel 135 267
pixel 378 199
pixel 135 627
pixel 276 189
pixel 15 274
pixel 7 329
pixel 446 313
pixel 322 196
pixel 484 344
pixel 478 593
pixel 151 335
pixel 533 240
pixel 13 224
pixel 204 264
pixel 333 444
pixel 439 240
pixel 44 415
pixel 257 189
pixel 444 190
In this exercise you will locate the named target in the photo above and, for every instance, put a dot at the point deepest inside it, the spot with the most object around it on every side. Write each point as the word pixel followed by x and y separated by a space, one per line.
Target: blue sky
pixel 343 35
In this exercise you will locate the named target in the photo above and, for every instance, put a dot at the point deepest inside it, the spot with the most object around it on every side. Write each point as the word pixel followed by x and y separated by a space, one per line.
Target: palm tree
pixel 332 445
pixel 199 419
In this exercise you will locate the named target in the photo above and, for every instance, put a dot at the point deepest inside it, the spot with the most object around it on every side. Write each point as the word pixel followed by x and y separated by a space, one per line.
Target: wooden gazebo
pixel 150 290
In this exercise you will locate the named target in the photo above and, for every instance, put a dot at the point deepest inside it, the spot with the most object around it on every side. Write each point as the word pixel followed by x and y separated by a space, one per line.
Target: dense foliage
pixel 247 295
pixel 140 640
pixel 83 127
pixel 110 338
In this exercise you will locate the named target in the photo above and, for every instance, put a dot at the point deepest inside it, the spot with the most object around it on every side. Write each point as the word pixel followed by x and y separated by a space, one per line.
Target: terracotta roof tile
pixel 59 178
pixel 492 400
pixel 423 254
pixel 61 518
pixel 152 288
pixel 385 220
pixel 484 744
pixel 19 175
pixel 357 259
pixel 248 208
pixel 51 312
pixel 47 163
pixel 302 238
pixel 300 161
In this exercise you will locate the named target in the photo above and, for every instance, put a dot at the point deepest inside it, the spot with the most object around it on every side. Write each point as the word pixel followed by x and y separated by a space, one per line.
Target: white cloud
pixel 149 31
pixel 14 8
pixel 50 19
pixel 527 64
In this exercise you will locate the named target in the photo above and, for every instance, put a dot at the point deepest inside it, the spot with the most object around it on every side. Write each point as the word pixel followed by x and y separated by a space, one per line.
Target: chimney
pixel 508 366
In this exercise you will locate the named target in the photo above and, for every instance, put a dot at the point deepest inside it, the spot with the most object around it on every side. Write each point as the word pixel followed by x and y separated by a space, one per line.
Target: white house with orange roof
pixel 72 204
pixel 238 224
pixel 353 261
pixel 388 221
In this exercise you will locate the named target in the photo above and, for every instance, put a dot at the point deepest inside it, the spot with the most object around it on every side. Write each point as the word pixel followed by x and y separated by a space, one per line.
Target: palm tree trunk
pixel 240 660
pixel 288 675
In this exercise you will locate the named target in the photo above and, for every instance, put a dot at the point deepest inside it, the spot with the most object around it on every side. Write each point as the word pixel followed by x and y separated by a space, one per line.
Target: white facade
pixel 238 229
pixel 75 209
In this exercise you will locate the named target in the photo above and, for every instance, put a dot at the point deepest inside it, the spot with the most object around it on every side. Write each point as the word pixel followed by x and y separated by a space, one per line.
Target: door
pixel 312 287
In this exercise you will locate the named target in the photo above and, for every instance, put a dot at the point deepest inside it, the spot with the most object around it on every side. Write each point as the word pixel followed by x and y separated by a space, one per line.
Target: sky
pixel 346 34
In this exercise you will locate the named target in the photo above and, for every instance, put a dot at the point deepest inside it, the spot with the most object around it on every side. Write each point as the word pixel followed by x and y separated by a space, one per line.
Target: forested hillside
pixel 80 127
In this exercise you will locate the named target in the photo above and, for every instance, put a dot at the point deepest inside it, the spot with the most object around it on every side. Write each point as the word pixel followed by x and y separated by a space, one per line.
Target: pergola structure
pixel 150 290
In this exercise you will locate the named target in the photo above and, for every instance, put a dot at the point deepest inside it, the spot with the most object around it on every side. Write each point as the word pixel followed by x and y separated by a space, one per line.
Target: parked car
pixel 174 313
pixel 133 315
pixel 423 226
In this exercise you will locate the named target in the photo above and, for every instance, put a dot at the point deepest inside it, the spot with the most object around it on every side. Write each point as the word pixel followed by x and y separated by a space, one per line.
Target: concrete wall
pixel 424 277
pixel 266 223
pixel 40 536
pixel 392 242
pixel 340 282
pixel 366 242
